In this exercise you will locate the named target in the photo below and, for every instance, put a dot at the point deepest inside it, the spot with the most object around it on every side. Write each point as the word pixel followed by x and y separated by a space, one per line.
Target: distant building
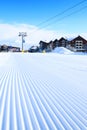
pixel 5 48
pixel 55 43
pixel 0 47
pixel 43 45
pixel 63 42
pixel 13 49
pixel 78 44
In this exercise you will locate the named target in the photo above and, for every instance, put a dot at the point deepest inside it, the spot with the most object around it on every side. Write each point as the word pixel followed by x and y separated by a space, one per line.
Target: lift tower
pixel 22 34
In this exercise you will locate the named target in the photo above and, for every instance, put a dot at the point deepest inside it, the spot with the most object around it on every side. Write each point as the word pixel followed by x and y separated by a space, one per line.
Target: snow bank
pixel 62 50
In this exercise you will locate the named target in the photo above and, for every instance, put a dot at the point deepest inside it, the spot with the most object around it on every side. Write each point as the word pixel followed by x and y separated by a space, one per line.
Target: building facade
pixel 78 44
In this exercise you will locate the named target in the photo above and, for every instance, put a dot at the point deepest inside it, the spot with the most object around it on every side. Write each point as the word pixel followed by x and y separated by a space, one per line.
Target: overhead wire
pixel 64 17
pixel 56 17
pixel 61 13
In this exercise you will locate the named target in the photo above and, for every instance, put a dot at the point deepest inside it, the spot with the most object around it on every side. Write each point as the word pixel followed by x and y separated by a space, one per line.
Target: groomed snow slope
pixel 43 91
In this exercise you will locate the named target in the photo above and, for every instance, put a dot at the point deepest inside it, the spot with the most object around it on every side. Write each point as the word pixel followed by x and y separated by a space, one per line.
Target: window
pixel 79 45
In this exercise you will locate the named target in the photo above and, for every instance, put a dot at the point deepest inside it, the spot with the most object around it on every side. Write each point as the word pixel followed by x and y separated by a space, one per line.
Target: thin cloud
pixel 9 34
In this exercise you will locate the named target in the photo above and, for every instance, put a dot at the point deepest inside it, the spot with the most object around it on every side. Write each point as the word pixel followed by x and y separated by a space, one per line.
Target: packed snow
pixel 62 50
pixel 43 91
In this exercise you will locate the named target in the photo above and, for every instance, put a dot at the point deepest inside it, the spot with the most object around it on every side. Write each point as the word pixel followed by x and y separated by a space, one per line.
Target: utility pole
pixel 22 34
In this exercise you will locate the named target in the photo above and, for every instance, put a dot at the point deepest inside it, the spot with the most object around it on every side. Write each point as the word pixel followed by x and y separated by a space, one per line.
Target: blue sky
pixel 34 12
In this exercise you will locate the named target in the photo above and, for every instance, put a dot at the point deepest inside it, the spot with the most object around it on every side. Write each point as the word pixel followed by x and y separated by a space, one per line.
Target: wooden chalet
pixel 55 43
pixel 78 44
pixel 45 46
pixel 63 42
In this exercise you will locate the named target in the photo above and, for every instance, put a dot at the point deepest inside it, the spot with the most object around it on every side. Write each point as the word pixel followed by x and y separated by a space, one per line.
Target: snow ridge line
pixel 53 109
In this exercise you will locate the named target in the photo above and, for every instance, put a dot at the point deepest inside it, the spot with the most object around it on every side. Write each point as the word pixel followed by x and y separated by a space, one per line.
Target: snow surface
pixel 62 50
pixel 43 91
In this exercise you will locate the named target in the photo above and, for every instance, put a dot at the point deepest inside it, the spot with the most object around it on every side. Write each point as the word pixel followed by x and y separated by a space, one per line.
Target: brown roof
pixel 79 38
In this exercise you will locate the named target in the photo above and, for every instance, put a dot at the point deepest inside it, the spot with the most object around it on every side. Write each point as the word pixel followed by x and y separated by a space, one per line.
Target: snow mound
pixel 62 50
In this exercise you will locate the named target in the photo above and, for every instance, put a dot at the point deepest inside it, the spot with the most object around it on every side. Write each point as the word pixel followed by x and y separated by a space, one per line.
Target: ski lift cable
pixel 60 19
pixel 61 13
